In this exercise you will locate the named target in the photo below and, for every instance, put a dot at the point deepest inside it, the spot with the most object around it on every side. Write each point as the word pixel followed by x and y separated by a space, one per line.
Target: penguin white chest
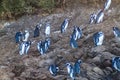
pixel 47 30
pixel 100 40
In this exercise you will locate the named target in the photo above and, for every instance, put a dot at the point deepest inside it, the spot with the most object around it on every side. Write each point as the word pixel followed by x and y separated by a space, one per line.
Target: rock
pixel 98 70
pixel 4 75
pixel 98 49
pixel 93 76
pixel 108 70
pixel 81 78
pixel 97 60
pixel 106 56
pixel 86 66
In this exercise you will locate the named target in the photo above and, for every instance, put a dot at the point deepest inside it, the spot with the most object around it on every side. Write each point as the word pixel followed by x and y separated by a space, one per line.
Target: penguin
pixel 47 29
pixel 79 32
pixel 24 47
pixel 77 67
pixel 92 18
pixel 53 69
pixel 99 17
pixel 36 31
pixel 47 43
pixel 116 31
pixel 26 35
pixel 70 71
pixel 27 46
pixel 107 4
pixel 73 42
pixel 98 38
pixel 116 63
pixel 18 37
pixel 64 25
pixel 40 47
pixel 69 67
pixel 75 33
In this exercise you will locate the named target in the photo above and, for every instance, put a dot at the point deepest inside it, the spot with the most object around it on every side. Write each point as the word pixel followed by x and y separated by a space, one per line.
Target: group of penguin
pixel 72 70
pixel 24 44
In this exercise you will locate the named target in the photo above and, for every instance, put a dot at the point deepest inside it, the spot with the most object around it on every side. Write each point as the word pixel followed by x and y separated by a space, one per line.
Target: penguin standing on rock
pixel 116 63
pixel 73 42
pixel 116 31
pixel 99 17
pixel 47 43
pixel 77 67
pixel 70 71
pixel 77 33
pixel 37 30
pixel 92 18
pixel 24 47
pixel 27 46
pixel 107 4
pixel 40 47
pixel 18 37
pixel 98 38
pixel 53 69
pixel 26 35
pixel 64 25
pixel 47 29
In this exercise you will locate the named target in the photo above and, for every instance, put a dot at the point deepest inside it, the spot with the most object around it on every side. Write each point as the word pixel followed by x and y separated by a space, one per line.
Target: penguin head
pixel 26 31
pixel 115 28
pixel 101 33
pixel 79 61
pixel 66 19
pixel 68 64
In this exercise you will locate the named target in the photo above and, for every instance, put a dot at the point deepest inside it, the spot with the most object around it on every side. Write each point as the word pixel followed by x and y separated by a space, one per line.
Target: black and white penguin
pixel 26 35
pixel 24 47
pixel 40 47
pixel 92 18
pixel 99 17
pixel 98 38
pixel 47 29
pixel 18 37
pixel 73 42
pixel 37 31
pixel 64 25
pixel 70 71
pixel 116 63
pixel 107 4
pixel 116 31
pixel 77 67
pixel 77 33
pixel 53 69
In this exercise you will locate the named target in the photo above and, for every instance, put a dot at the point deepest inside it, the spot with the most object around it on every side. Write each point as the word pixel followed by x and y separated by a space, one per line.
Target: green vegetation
pixel 12 8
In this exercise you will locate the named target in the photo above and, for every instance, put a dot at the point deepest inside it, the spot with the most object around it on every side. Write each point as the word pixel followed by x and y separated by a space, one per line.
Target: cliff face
pixel 96 61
